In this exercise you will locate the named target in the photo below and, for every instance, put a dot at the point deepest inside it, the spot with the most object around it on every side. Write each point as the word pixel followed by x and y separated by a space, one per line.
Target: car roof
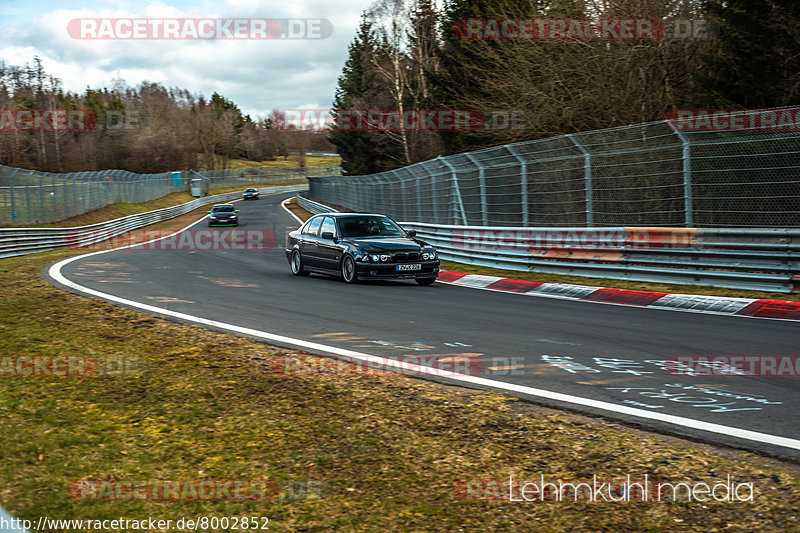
pixel 340 215
pixel 223 205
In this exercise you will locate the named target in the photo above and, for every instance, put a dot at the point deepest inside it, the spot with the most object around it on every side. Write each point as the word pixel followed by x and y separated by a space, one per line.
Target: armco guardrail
pixel 312 206
pixel 763 260
pixel 21 241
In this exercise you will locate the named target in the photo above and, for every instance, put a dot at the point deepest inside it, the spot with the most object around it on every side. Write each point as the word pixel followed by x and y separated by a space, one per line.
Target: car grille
pixel 403 257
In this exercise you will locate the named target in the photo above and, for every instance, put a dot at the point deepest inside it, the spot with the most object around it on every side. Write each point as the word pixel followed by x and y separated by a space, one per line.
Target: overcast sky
pixel 257 74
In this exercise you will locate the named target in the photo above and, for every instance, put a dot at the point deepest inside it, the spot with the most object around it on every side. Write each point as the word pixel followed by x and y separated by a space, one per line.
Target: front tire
pixel 349 270
pixel 297 264
pixel 425 281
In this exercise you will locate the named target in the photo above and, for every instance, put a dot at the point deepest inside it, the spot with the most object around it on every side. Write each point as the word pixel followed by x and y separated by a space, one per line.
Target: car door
pixel 329 251
pixel 309 242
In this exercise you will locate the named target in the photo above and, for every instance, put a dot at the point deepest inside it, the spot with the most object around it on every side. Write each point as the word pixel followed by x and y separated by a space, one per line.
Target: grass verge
pixel 383 453
pixel 291 161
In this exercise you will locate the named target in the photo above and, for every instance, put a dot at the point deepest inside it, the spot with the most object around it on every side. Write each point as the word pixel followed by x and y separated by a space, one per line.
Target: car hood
pixel 389 244
pixel 223 215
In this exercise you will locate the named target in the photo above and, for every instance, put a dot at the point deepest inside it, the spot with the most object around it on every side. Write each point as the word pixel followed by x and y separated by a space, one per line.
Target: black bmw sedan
pixel 360 247
pixel 223 215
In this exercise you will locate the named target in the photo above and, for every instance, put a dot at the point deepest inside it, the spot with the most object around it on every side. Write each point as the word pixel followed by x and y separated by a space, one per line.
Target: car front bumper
pixel 223 222
pixel 367 271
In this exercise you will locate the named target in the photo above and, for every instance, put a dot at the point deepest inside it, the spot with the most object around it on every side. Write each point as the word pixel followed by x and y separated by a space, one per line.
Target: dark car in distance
pixel 250 194
pixel 359 247
pixel 223 215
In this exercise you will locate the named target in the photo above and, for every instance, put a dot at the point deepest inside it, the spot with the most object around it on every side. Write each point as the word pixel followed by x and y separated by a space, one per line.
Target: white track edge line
pixel 55 272
pixel 283 205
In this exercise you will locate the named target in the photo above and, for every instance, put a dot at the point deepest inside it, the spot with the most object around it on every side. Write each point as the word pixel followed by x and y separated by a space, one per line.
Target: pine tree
pixel 755 60
pixel 359 150
pixel 459 80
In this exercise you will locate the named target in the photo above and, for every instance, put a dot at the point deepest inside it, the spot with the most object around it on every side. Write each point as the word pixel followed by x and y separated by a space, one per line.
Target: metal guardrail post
pixel 482 185
pixel 687 174
pixel 456 192
pixel 74 188
pixel 28 210
pixel 40 218
pixel 373 199
pixel 385 188
pixel 403 195
pixel 418 181
pixel 523 182
pixel 11 191
pixel 86 192
pixel 53 198
pixel 434 195
pixel 587 177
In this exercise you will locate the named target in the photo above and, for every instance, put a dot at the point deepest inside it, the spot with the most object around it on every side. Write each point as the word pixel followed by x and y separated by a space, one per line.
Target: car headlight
pixel 426 256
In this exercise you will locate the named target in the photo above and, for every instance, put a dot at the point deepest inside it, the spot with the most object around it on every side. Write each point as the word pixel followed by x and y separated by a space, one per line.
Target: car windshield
pixel 369 226
pixel 223 209
pixel 250 190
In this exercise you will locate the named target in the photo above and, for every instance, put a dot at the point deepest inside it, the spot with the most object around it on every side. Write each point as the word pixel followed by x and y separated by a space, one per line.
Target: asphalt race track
pixel 606 360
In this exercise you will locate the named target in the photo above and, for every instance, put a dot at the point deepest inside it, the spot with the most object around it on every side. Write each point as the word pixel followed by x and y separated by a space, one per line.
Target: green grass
pixel 386 452
pixel 291 161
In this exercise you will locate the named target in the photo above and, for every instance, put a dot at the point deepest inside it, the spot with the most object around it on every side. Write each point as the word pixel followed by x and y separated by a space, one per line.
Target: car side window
pixel 312 227
pixel 328 225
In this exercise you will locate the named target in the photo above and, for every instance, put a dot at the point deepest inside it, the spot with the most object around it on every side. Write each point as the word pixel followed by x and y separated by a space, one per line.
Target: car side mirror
pixel 412 233
pixel 209 212
pixel 237 210
pixel 327 235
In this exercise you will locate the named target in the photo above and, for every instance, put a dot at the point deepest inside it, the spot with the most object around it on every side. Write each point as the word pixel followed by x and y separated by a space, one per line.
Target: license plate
pixel 415 266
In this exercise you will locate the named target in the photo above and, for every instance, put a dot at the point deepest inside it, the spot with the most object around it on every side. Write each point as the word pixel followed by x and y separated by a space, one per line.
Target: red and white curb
pixel 749 307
